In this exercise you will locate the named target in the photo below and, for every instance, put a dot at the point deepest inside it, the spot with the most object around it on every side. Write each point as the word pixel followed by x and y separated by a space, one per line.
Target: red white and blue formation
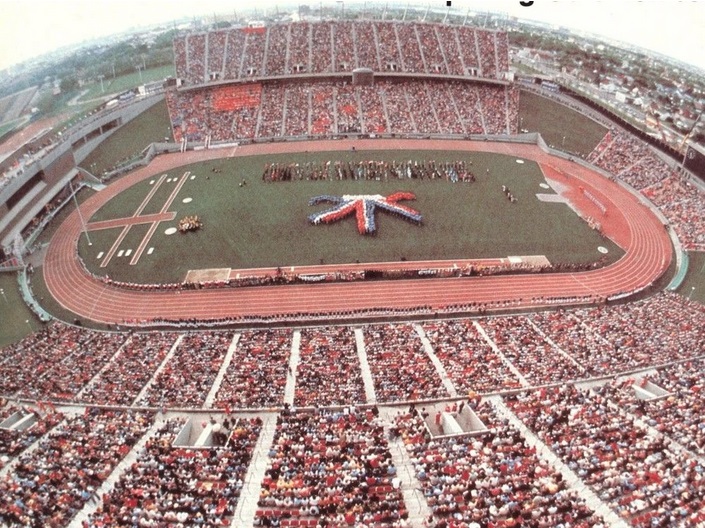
pixel 364 207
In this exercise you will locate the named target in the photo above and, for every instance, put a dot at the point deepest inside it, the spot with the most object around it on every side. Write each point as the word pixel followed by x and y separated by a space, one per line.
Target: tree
pixel 69 83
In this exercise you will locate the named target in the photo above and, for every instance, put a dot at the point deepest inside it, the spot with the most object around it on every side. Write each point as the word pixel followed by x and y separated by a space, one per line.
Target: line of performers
pixel 508 193
pixel 452 171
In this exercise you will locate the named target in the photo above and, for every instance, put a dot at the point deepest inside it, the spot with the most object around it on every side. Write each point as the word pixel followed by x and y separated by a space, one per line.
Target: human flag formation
pixel 364 207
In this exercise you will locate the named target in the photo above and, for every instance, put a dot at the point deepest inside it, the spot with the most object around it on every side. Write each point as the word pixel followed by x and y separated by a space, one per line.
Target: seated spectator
pixel 329 370
pixel 401 369
pixel 172 486
pixel 331 466
pixel 491 480
pixel 257 377
pixel 48 486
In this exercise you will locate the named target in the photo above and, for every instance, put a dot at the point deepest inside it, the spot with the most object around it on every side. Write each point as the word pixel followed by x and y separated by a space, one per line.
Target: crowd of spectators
pixel 469 107
pixel 253 59
pixel 388 48
pixel 446 110
pixel 68 377
pixel 488 53
pixel 383 46
pixel 297 111
pixel 629 159
pixel 343 46
pixel 333 467
pixel 493 480
pixel 502 47
pixel 271 112
pixel 14 441
pixel 180 60
pixel 130 371
pixel 322 122
pixel 196 57
pixel 418 97
pixel 643 479
pixel 367 46
pixel 410 46
pixel 450 45
pixel 57 342
pixel 188 376
pixel 226 113
pixel 495 103
pixel 329 370
pixel 179 486
pixel 401 118
pixel 347 109
pixel 63 363
pixel 680 414
pixel 256 377
pixel 431 55
pixel 276 50
pixel 216 41
pixel 35 341
pixel 538 361
pixel 50 484
pixel 471 363
pixel 586 345
pixel 299 50
pixel 321 40
pixel 401 369
pixel 639 341
pixel 373 116
pixel 235 43
pixel 683 204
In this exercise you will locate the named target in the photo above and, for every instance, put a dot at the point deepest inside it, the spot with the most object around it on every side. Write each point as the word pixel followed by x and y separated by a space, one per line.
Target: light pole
pixel 29 326
pixel 2 291
pixel 80 215
pixel 102 90
pixel 692 289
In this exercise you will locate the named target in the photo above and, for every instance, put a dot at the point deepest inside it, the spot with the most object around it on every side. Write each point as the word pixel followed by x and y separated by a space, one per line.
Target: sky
pixel 29 28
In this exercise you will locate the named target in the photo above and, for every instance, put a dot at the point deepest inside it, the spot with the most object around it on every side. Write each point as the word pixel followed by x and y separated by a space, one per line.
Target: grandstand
pixel 305 48
pixel 581 417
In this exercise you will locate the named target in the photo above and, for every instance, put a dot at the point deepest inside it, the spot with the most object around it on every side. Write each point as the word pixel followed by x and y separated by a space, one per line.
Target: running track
pixel 629 223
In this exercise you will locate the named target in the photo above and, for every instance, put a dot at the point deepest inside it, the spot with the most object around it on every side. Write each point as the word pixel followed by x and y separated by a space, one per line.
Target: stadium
pixel 351 290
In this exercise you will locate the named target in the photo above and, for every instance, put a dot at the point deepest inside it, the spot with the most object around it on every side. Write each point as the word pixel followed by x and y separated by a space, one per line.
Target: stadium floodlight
pixel 80 215
pixel 2 291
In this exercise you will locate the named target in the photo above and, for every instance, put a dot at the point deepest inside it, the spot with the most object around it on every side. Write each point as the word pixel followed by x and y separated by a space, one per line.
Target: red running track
pixel 629 223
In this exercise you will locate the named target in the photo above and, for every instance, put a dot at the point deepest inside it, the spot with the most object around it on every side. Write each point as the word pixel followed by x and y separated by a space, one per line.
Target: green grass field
pixel 17 318
pixel 152 125
pixel 7 128
pixel 125 82
pixel 266 224
pixel 693 286
pixel 555 122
